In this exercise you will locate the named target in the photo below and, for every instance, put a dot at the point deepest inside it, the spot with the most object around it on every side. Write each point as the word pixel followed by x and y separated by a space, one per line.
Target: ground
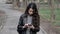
pixel 46 14
pixel 10 26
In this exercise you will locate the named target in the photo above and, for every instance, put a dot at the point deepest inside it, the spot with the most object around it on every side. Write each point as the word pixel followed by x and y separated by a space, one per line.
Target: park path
pixel 12 20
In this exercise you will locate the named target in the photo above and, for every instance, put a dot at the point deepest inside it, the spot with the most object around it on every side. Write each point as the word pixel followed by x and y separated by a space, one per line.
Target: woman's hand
pixel 25 26
pixel 31 27
pixel 28 26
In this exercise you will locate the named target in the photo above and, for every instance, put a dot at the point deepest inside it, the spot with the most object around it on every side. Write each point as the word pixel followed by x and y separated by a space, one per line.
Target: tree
pixel 52 18
pixel 58 3
pixel 16 4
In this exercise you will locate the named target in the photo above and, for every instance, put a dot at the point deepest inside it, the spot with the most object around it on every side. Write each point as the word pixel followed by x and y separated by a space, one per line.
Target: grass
pixel 57 12
pixel 46 14
pixel 57 23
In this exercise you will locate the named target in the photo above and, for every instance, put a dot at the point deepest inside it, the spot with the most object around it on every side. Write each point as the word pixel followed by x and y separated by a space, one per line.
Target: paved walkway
pixel 12 20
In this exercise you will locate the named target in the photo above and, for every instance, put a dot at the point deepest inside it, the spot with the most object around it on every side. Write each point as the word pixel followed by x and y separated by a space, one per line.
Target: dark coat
pixel 21 30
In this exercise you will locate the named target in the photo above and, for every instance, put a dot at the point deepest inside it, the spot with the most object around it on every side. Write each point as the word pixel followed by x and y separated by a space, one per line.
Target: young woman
pixel 29 22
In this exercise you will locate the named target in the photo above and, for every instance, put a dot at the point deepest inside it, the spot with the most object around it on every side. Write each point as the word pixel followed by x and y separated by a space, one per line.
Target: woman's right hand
pixel 25 26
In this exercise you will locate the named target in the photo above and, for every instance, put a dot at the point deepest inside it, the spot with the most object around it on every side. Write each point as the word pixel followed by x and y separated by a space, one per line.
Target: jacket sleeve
pixel 36 29
pixel 20 25
pixel 37 26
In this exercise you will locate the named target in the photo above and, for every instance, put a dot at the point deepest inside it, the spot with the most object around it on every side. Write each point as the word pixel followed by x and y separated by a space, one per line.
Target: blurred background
pixel 49 10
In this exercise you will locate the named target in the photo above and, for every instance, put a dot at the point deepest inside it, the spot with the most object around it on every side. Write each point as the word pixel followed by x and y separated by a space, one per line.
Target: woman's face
pixel 30 11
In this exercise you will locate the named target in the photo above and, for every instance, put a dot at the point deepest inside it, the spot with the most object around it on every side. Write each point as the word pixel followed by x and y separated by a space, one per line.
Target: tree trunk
pixel 52 15
pixel 16 4
pixel 52 11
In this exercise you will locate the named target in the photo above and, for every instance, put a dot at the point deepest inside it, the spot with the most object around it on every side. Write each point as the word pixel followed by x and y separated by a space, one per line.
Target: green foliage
pixel 46 14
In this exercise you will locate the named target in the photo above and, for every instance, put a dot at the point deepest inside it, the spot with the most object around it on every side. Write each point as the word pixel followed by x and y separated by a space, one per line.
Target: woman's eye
pixel 31 11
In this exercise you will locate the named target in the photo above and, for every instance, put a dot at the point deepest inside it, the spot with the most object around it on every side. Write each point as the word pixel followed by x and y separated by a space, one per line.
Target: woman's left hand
pixel 31 27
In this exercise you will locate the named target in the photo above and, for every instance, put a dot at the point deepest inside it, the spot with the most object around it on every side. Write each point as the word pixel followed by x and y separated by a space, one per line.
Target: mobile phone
pixel 30 24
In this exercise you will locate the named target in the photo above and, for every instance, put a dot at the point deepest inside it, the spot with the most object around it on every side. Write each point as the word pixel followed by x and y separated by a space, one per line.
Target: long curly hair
pixel 36 17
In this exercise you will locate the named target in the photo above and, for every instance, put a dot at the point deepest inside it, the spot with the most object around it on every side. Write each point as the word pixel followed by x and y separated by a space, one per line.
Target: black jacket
pixel 21 30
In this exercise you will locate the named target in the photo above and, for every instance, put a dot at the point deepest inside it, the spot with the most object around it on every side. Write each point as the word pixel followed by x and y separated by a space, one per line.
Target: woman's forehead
pixel 30 9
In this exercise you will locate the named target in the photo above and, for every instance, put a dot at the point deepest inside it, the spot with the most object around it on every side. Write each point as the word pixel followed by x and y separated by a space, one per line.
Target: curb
pixel 43 30
pixel 4 17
